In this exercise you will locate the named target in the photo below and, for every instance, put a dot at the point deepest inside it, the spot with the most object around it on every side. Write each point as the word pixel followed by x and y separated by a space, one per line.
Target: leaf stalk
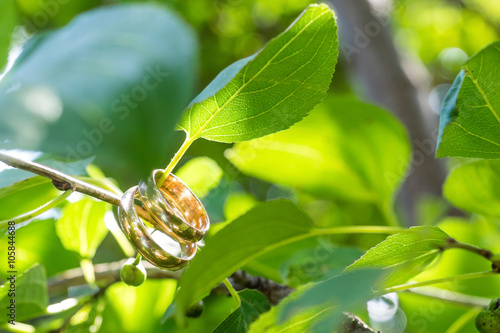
pixel 177 157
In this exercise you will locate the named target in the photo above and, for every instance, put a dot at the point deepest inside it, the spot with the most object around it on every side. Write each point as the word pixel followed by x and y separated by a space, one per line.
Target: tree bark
pixel 368 49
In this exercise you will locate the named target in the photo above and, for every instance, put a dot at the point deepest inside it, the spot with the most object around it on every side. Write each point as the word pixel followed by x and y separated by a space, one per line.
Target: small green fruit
pixel 133 275
pixel 195 310
pixel 488 321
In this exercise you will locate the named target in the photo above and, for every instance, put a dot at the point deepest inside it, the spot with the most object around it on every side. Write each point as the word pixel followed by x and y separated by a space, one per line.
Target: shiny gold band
pixel 176 212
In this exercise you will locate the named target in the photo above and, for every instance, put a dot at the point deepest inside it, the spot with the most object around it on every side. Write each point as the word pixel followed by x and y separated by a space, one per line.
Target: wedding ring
pixel 175 212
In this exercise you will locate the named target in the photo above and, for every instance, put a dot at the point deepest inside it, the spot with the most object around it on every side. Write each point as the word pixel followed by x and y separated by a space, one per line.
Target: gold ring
pixel 175 211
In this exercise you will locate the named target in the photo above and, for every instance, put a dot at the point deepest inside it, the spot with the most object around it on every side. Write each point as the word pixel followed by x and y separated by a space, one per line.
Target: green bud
pixel 195 310
pixel 133 275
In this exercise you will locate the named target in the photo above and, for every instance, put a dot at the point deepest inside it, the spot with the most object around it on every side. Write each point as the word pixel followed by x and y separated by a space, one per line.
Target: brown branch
pixel 452 243
pixel 354 324
pixel 371 55
pixel 274 291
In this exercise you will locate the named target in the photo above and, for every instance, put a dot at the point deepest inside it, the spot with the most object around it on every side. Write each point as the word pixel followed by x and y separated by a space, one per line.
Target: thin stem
pixel 88 271
pixel 357 229
pixel 452 297
pixel 42 209
pixel 463 320
pixel 177 157
pixel 74 183
pixel 454 244
pixel 408 286
pixel 234 294
pixel 137 260
pixel 487 254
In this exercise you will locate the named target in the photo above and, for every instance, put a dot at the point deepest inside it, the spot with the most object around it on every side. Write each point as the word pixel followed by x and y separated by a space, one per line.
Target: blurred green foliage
pixel 229 30
pixel 438 31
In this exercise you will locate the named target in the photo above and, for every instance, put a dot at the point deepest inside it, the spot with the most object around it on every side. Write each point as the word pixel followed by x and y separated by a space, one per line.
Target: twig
pixel 451 297
pixel 354 324
pixel 105 274
pixel 63 181
pixel 61 178
pixel 487 254
pixel 274 291
pixel 425 283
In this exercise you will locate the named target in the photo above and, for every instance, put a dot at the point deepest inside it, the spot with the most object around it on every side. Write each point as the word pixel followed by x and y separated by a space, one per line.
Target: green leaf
pixel 201 174
pixel 18 185
pixel 345 292
pixel 300 322
pixel 253 304
pixel 317 307
pixel 475 187
pixel 37 242
pixel 265 227
pixel 312 264
pixel 472 128
pixel 481 232
pixel 81 227
pixel 120 73
pixel 38 189
pixel 448 108
pixel 31 298
pixel 139 309
pixel 273 90
pixel 237 204
pixel 344 149
pixel 276 264
pixel 404 254
pixel 8 21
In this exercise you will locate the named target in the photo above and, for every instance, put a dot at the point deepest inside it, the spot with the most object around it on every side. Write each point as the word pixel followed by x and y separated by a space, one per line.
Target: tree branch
pixel 60 178
pixel 354 324
pixel 274 291
pixel 452 243
pixel 451 297
pixel 368 48
pixel 105 274
pixel 64 182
